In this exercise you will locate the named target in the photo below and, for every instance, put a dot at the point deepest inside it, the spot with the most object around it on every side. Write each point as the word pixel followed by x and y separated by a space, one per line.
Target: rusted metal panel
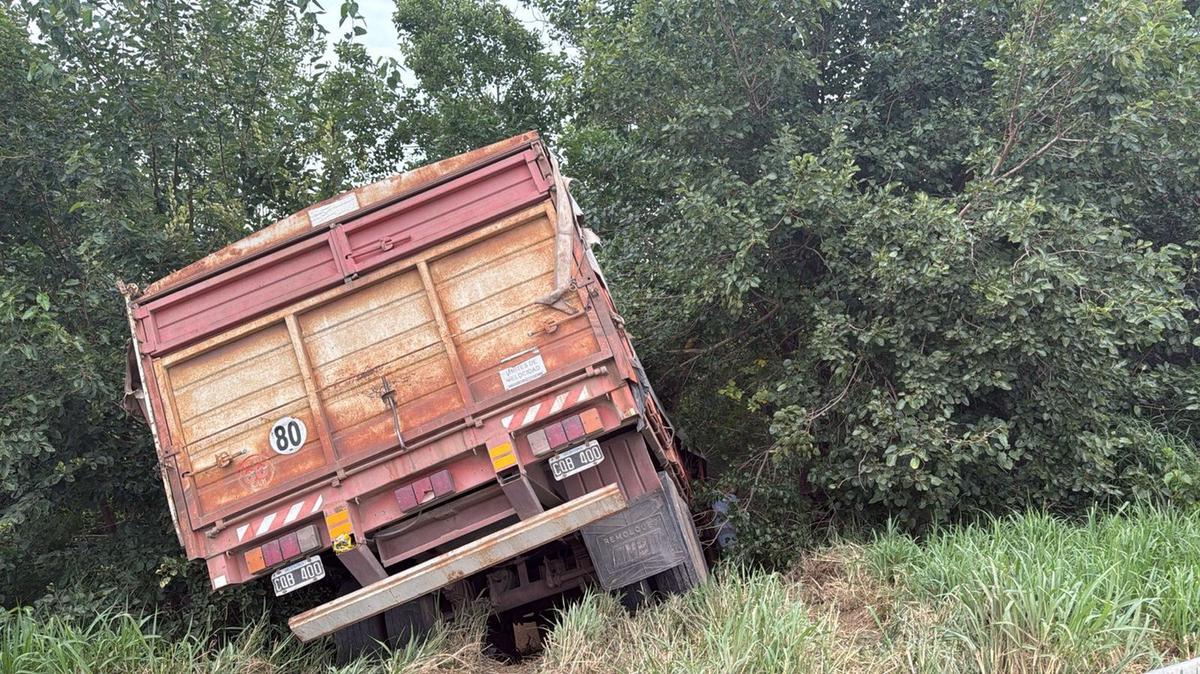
pixel 485 194
pixel 239 293
pixel 327 370
pixel 382 331
pixel 489 293
pixel 459 563
pixel 225 401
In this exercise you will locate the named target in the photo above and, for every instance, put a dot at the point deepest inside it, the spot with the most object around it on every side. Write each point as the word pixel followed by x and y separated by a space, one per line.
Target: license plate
pixel 295 576
pixel 576 459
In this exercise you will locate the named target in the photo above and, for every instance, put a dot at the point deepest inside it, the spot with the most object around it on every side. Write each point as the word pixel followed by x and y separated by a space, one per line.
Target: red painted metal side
pixel 327 257
pixel 440 213
pixel 319 216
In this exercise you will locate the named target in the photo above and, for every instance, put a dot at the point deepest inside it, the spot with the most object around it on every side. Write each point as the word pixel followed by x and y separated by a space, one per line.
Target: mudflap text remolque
pixel 638 542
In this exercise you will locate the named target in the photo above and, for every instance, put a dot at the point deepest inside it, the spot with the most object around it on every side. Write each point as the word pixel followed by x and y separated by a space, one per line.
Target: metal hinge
pixel 387 393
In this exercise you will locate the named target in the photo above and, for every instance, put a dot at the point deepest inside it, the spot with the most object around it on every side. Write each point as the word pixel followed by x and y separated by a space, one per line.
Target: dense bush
pixel 135 138
pixel 940 255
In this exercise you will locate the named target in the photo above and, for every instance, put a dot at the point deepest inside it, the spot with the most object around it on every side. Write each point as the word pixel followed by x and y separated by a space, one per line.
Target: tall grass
pixel 1034 593
pixel 119 642
pixel 1015 595
pixel 743 622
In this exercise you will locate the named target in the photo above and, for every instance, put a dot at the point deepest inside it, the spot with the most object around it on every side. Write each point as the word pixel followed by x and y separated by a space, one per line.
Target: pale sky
pixel 380 39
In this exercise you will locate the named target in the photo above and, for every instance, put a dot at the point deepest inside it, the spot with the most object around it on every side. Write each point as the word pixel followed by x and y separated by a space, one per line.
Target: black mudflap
pixel 645 539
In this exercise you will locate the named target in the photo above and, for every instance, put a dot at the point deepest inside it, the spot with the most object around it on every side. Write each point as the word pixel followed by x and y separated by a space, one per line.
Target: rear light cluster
pixel 282 549
pixel 564 431
pixel 423 490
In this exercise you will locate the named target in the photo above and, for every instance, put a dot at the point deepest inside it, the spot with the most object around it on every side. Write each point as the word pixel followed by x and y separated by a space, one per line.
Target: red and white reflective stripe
pixel 304 507
pixel 523 416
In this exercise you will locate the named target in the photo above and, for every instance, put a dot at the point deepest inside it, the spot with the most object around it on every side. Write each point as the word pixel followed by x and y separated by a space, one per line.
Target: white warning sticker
pixel 322 214
pixel 522 373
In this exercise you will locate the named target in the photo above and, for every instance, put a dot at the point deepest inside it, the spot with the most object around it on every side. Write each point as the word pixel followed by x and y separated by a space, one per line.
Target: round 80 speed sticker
pixel 288 435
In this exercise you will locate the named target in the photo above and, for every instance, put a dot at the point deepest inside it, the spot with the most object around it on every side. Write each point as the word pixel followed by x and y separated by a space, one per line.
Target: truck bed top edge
pixel 296 227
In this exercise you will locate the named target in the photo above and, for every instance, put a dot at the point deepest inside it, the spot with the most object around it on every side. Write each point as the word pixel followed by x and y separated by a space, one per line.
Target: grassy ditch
pixel 1030 593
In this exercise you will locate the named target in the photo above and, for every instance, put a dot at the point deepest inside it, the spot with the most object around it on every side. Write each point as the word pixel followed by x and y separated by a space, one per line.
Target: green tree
pixel 481 75
pixel 907 259
pixel 134 138
pixel 888 258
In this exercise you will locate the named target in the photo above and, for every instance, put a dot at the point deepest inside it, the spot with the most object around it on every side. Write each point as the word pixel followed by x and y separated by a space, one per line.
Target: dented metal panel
pixel 488 295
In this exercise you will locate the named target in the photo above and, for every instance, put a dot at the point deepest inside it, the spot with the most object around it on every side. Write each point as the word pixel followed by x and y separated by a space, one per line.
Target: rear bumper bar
pixel 444 569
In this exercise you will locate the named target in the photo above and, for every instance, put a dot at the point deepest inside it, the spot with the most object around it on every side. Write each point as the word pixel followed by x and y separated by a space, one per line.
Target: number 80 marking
pixel 288 435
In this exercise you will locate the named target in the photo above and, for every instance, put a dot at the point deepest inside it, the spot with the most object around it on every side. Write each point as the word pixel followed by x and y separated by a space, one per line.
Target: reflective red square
pixel 574 428
pixel 289 546
pixel 555 435
pixel 271 553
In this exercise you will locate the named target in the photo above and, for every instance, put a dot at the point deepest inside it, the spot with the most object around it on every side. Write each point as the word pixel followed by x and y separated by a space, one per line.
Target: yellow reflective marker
pixel 503 456
pixel 341 531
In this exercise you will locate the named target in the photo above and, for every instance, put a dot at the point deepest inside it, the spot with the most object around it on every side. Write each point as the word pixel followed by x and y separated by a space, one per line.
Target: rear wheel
pixel 361 638
pixel 634 595
pixel 395 628
pixel 676 580
pixel 412 621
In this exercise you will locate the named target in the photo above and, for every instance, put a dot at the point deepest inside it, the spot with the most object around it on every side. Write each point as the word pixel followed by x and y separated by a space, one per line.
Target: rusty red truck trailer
pixel 425 379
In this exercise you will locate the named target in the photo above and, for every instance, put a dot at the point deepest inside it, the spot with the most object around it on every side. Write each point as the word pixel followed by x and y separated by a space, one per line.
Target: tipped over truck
pixel 425 381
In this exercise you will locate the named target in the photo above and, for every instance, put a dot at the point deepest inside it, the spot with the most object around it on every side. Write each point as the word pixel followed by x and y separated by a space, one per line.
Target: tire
pixel 412 621
pixel 677 580
pixel 395 628
pixel 362 638
pixel 635 595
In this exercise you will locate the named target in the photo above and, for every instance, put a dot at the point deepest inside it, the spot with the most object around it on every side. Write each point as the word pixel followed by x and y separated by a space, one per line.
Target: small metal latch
pixel 388 394
pixel 387 243
pixel 381 246
pixel 222 459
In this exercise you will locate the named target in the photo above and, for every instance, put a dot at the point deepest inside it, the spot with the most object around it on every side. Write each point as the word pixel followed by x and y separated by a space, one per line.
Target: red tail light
pixel 282 549
pixel 565 431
